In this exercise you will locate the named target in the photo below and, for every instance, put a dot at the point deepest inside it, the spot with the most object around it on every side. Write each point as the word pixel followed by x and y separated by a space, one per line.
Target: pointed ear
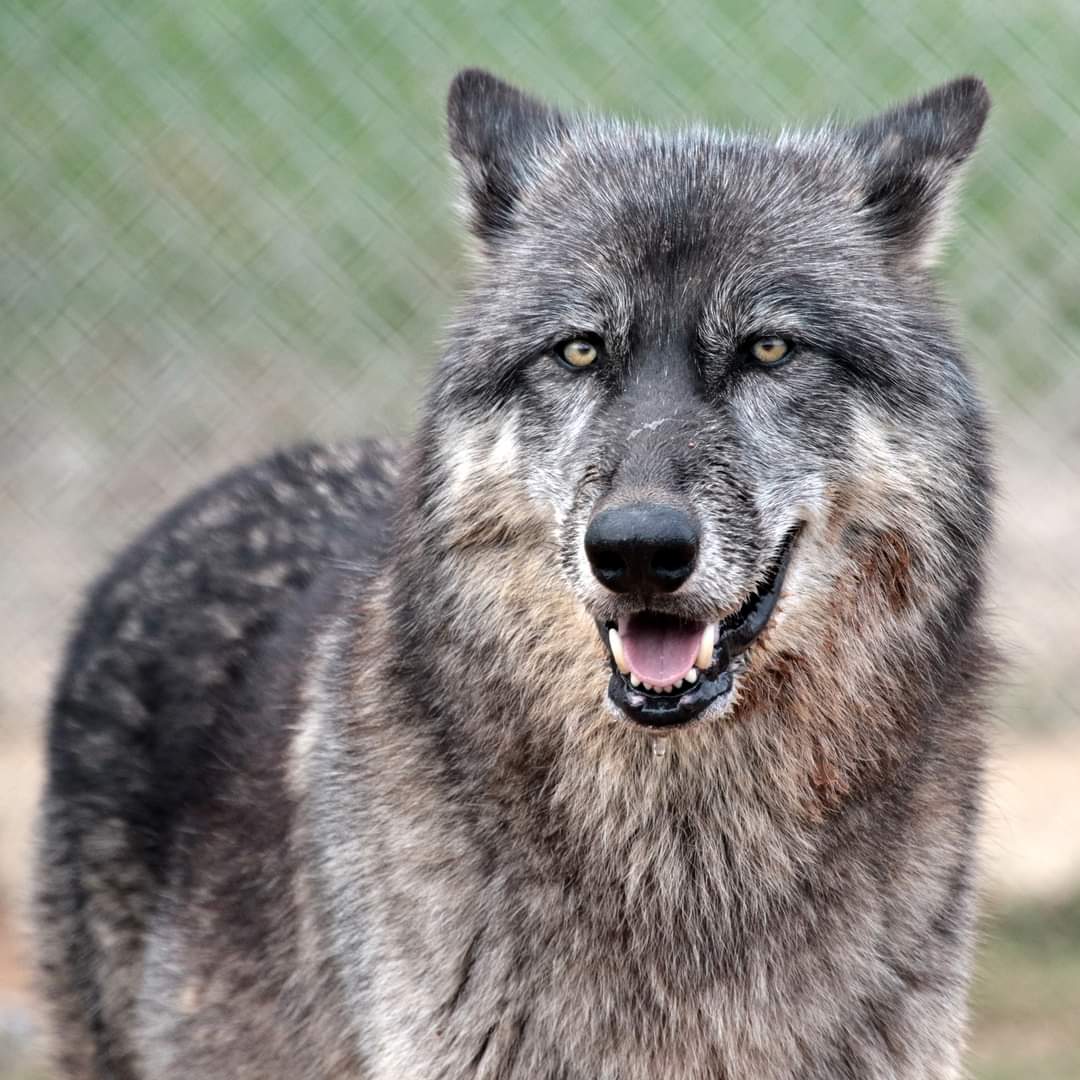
pixel 499 137
pixel 914 153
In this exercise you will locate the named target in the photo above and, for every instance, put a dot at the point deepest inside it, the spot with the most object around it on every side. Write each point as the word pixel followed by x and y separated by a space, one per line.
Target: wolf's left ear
pixel 499 137
pixel 914 153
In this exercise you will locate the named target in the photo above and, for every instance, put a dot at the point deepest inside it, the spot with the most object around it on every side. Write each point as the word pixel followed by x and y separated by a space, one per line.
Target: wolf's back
pixel 164 656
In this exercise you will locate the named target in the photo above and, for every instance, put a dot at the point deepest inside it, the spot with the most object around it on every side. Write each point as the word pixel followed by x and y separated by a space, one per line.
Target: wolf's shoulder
pixel 167 648
pixel 212 564
pixel 247 536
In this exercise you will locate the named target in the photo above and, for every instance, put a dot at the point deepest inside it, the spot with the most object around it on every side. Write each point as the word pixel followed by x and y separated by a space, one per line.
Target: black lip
pixel 737 633
pixel 668 710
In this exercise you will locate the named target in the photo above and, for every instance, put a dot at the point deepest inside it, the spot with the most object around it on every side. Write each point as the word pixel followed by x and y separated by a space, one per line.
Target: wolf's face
pixel 716 367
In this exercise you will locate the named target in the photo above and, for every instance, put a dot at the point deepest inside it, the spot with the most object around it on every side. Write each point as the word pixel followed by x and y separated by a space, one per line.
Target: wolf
pixel 626 722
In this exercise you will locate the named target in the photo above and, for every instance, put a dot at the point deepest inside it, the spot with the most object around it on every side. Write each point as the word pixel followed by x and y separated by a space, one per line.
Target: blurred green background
pixel 227 225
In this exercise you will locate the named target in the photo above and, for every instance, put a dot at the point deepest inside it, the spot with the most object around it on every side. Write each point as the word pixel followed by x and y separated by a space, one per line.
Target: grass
pixel 229 176
pixel 1027 994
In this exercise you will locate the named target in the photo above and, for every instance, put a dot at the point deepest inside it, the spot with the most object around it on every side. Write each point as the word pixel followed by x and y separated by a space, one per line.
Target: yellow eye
pixel 770 350
pixel 579 353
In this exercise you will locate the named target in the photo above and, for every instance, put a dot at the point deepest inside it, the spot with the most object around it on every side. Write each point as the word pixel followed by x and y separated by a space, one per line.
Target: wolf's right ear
pixel 499 137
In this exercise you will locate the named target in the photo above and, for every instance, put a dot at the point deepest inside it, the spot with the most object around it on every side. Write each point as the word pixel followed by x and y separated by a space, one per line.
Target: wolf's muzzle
pixel 666 670
pixel 642 548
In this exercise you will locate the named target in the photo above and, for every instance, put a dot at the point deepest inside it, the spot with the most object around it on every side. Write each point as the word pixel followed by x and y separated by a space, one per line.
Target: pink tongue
pixel 659 650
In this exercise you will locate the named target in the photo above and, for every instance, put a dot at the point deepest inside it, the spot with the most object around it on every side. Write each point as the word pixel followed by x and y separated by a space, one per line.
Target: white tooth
pixel 708 640
pixel 634 680
pixel 648 686
pixel 666 689
pixel 676 684
pixel 617 653
pixel 691 676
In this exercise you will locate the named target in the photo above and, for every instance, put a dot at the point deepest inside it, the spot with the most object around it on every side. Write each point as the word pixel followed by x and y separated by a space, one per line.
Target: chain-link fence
pixel 226 225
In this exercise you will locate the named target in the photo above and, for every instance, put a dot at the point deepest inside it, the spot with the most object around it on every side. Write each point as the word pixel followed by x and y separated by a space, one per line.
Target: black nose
pixel 643 547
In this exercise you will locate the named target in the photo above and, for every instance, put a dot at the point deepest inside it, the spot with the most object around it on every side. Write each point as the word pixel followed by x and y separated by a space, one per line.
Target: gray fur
pixel 335 787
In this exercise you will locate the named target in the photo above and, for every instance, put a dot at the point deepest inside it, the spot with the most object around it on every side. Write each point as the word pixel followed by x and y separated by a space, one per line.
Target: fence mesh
pixel 226 225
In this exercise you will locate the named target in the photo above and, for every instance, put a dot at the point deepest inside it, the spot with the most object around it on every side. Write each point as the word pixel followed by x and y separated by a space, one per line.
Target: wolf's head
pixel 701 382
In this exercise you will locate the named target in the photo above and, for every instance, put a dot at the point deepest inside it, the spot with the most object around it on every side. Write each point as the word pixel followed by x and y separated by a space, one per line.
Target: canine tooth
pixel 634 680
pixel 617 653
pixel 708 640
pixel 691 676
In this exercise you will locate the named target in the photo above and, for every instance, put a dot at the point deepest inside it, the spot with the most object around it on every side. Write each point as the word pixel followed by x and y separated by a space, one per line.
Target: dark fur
pixel 334 788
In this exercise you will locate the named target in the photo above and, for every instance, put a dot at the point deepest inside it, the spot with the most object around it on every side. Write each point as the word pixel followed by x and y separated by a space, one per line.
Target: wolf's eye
pixel 579 353
pixel 770 350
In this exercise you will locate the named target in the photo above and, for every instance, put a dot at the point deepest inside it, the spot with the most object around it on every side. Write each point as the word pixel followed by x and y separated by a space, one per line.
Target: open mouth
pixel 666 670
